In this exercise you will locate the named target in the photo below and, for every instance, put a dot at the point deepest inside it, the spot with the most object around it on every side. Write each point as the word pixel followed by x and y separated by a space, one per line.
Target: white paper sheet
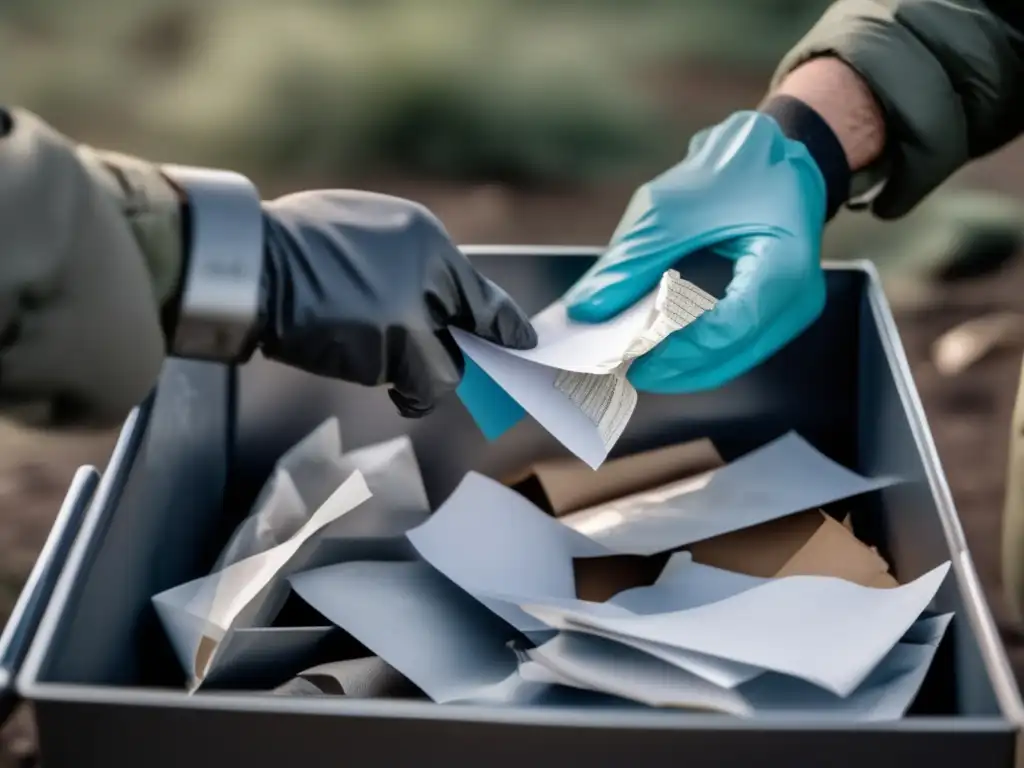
pixel 532 385
pixel 783 477
pixel 432 632
pixel 311 471
pixel 683 584
pixel 505 552
pixel 603 347
pixel 491 541
pixel 810 627
pixel 315 463
pixel 595 664
pixel 573 382
pixel 198 615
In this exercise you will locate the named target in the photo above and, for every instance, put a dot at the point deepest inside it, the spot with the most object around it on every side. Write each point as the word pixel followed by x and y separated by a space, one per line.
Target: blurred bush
pixel 522 92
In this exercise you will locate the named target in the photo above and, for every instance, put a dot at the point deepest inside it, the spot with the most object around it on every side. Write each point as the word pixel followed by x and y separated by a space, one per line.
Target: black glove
pixel 362 287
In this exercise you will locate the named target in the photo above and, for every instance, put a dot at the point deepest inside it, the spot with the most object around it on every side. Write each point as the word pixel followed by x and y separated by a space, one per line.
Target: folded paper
pixel 780 626
pixel 421 624
pixel 574 381
pixel 601 665
pixel 783 477
pixel 199 614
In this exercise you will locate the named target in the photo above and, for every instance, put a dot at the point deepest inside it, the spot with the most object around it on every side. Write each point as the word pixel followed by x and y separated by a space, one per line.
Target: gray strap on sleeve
pixel 220 296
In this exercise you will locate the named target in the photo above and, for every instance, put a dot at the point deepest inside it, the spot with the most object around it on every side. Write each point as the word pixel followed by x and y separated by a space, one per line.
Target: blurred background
pixel 519 122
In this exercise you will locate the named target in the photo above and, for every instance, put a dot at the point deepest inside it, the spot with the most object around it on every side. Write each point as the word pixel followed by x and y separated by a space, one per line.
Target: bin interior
pixel 212 435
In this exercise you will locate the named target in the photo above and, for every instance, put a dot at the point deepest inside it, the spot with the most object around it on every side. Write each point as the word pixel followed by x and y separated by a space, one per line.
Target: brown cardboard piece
pixel 805 544
pixel 762 550
pixel 564 485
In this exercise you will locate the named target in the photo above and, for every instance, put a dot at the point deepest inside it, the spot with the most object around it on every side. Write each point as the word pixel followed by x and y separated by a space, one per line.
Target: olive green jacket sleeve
pixel 91 248
pixel 949 75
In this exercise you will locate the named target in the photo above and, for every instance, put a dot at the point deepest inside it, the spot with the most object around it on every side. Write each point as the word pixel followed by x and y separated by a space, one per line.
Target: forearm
pixel 842 98
pixel 946 80
pixel 90 251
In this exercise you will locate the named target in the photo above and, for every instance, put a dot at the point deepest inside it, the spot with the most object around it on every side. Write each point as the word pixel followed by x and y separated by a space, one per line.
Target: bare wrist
pixel 844 101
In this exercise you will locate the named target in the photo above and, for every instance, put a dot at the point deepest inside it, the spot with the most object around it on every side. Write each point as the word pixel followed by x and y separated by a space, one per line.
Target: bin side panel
pixel 154 531
pixel 35 595
pixel 8 696
pixel 919 530
pixel 131 736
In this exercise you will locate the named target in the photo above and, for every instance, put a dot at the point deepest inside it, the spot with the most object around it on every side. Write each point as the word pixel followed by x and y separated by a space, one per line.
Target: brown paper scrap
pixel 806 544
pixel 564 485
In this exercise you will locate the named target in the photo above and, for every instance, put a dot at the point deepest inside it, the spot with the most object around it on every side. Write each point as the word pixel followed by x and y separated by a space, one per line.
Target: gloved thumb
pixel 623 276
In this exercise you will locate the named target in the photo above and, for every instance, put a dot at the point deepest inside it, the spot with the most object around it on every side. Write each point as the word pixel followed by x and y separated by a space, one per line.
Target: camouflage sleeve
pixel 948 75
pixel 91 247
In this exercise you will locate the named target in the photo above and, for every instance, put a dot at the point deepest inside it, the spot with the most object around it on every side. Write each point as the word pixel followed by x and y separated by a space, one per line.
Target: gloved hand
pixel 750 194
pixel 362 287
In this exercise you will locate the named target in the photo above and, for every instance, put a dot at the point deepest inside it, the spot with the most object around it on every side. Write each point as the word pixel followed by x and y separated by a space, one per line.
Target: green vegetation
pixel 522 92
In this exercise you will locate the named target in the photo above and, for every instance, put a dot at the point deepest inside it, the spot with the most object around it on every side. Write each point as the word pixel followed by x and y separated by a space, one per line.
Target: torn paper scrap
pixel 602 347
pixel 533 386
pixel 398 498
pixel 783 477
pixel 491 541
pixel 807 544
pixel 834 551
pixel 278 514
pixel 574 381
pixel 592 663
pixel 409 615
pixel 563 485
pixel 199 614
pixel 783 625
pixel 311 471
pixel 607 400
pixel 763 549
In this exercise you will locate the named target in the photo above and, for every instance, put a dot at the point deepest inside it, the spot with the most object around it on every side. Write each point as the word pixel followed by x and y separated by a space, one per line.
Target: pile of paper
pixel 574 381
pixel 320 506
pixel 761 604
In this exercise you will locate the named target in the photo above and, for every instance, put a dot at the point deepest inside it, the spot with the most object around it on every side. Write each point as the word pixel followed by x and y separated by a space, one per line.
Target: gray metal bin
pixel 107 690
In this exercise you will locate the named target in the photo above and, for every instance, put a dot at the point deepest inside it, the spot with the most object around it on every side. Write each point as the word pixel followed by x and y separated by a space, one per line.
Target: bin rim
pixel 87 500
pixel 1010 716
pixel 32 602
pixel 976 608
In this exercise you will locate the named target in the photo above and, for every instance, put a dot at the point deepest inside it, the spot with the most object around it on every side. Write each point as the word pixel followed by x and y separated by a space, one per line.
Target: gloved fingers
pixel 769 301
pixel 409 409
pixel 638 215
pixel 424 370
pixel 665 378
pixel 491 314
pixel 678 366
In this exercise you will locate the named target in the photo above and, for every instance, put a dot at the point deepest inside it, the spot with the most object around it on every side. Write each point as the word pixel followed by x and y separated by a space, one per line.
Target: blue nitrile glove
pixel 748 193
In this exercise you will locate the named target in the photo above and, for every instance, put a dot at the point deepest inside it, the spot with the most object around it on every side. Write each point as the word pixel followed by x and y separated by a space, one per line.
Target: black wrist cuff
pixel 801 123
